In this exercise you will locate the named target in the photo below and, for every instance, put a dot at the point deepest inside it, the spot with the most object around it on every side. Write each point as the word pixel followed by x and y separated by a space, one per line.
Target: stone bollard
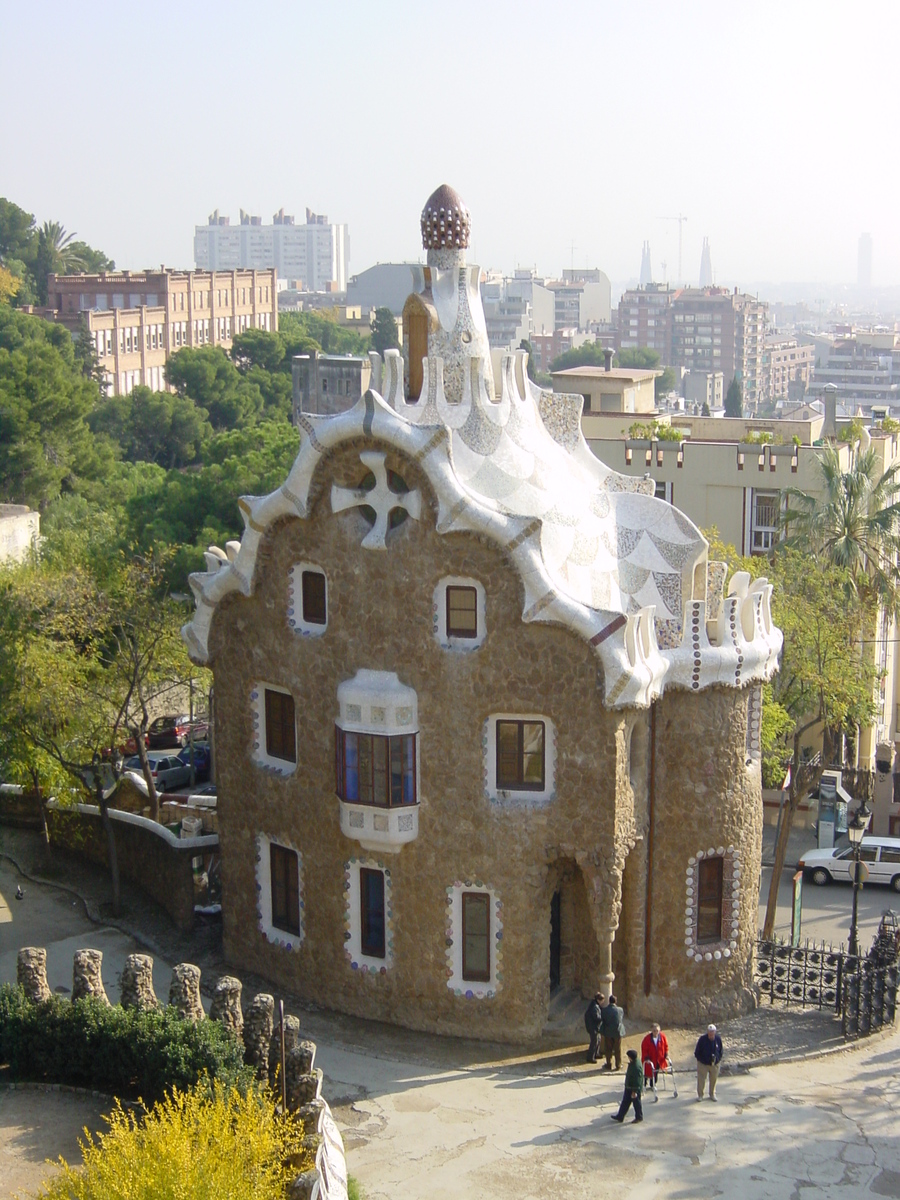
pixel 291 1038
pixel 304 1085
pixel 31 973
pixel 136 987
pixel 258 1025
pixel 184 992
pixel 226 1005
pixel 302 1187
pixel 86 980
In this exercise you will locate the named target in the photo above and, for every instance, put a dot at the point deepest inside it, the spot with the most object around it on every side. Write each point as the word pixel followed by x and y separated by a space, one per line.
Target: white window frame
pixel 358 961
pixel 439 614
pixel 295 600
pixel 701 952
pixel 770 534
pixel 276 937
pixel 280 766
pixel 467 988
pixel 489 745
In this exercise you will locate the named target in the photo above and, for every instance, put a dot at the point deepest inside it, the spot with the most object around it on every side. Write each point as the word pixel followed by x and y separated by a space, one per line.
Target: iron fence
pixel 807 976
pixel 861 991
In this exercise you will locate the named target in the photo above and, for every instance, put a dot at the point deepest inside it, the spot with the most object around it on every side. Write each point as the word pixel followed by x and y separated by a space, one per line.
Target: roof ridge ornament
pixel 445 220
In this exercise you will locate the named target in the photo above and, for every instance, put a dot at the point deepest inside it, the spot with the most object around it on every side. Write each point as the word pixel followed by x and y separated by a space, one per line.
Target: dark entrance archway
pixel 555 942
pixel 573 951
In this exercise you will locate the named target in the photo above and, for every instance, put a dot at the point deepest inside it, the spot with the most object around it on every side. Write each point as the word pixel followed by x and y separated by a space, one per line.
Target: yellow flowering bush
pixel 202 1144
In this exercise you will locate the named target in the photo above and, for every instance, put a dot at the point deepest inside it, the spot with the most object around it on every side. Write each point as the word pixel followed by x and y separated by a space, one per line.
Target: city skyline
pixel 572 142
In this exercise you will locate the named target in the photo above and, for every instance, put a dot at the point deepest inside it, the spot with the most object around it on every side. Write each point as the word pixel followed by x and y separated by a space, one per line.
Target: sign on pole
pixel 796 908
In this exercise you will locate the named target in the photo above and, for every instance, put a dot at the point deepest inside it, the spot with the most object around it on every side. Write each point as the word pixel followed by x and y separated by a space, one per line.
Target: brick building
pixel 138 318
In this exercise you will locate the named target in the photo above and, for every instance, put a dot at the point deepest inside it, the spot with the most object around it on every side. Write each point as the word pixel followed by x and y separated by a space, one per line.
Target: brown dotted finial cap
pixel 445 220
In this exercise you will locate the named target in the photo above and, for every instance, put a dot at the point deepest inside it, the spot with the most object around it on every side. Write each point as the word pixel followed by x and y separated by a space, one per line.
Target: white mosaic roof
pixel 596 551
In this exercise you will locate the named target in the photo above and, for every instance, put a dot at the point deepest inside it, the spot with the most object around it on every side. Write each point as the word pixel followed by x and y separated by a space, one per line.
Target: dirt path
pixel 36 1125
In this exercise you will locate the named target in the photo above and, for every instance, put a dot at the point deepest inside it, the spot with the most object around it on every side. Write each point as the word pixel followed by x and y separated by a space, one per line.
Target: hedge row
pixel 128 1053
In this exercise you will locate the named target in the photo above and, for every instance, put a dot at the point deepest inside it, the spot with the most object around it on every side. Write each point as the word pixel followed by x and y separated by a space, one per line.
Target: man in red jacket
pixel 654 1054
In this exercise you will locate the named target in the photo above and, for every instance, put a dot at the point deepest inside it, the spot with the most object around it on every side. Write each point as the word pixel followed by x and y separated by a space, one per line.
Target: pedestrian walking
pixel 593 1019
pixel 654 1054
pixel 708 1053
pixel 613 1030
pixel 634 1085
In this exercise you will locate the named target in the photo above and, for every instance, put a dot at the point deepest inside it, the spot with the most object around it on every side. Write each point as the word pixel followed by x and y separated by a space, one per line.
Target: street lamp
pixel 856 828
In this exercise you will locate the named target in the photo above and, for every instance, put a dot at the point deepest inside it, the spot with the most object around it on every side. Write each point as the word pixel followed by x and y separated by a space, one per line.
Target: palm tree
pixel 56 255
pixel 854 523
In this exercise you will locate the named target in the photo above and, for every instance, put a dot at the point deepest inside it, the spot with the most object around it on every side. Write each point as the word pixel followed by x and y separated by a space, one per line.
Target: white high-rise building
pixel 317 254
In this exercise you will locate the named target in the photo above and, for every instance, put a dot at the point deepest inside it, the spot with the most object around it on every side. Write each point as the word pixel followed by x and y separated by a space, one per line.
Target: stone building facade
pixel 488 722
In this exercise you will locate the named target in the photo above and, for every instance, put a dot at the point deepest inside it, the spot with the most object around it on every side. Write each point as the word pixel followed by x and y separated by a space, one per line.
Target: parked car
pixel 202 760
pixel 128 746
pixel 880 854
pixel 176 731
pixel 167 769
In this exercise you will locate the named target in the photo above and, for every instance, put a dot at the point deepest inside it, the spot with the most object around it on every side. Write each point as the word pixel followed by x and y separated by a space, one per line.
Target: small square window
pixel 476 948
pixel 371 912
pixel 314 606
pixel 520 755
pixel 285 878
pixel 462 612
pixel 281 739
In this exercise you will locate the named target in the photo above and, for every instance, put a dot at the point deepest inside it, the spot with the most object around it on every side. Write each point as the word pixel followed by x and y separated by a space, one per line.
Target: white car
pixel 880 854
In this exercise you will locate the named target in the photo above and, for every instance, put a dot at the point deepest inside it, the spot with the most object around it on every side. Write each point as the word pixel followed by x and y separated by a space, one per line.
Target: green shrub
pixel 85 1043
pixel 207 1144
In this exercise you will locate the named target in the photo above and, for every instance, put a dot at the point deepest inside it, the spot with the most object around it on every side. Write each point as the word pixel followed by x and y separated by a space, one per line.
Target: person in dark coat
pixel 708 1053
pixel 613 1030
pixel 593 1019
pixel 634 1084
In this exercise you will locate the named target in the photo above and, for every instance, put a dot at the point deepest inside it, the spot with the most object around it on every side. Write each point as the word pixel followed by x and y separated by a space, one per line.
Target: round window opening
pixel 467 337
pixel 397 484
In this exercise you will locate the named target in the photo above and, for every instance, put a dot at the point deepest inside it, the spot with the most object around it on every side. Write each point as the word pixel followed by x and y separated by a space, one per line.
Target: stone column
pixel 31 973
pixel 291 1038
pixel 226 1005
pixel 136 987
pixel 304 1084
pixel 258 1025
pixel 184 992
pixel 86 980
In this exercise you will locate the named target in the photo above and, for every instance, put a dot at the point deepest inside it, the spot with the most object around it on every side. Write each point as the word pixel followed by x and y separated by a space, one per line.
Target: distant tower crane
pixel 681 220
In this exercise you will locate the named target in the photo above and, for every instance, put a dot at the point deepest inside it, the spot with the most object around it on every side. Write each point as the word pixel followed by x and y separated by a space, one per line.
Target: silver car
pixel 880 854
pixel 168 771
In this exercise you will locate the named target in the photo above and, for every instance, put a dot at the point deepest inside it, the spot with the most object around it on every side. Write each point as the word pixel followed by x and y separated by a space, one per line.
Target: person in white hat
pixel 708 1053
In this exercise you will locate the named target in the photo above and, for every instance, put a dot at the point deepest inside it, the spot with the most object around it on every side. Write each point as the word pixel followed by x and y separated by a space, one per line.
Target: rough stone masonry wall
pixel 706 797
pixel 380 617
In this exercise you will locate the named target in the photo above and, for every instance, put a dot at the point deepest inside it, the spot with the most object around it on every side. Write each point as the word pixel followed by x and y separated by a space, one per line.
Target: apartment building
pixel 316 253
pixel 644 319
pixel 138 318
pixel 717 330
pixel 863 366
pixel 789 366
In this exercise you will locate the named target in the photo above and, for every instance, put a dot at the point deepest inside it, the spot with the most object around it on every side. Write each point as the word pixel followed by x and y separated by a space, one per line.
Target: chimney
pixel 829 397
pixel 607 360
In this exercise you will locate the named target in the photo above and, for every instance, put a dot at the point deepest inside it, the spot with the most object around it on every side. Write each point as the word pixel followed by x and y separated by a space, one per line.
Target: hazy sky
pixel 771 126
